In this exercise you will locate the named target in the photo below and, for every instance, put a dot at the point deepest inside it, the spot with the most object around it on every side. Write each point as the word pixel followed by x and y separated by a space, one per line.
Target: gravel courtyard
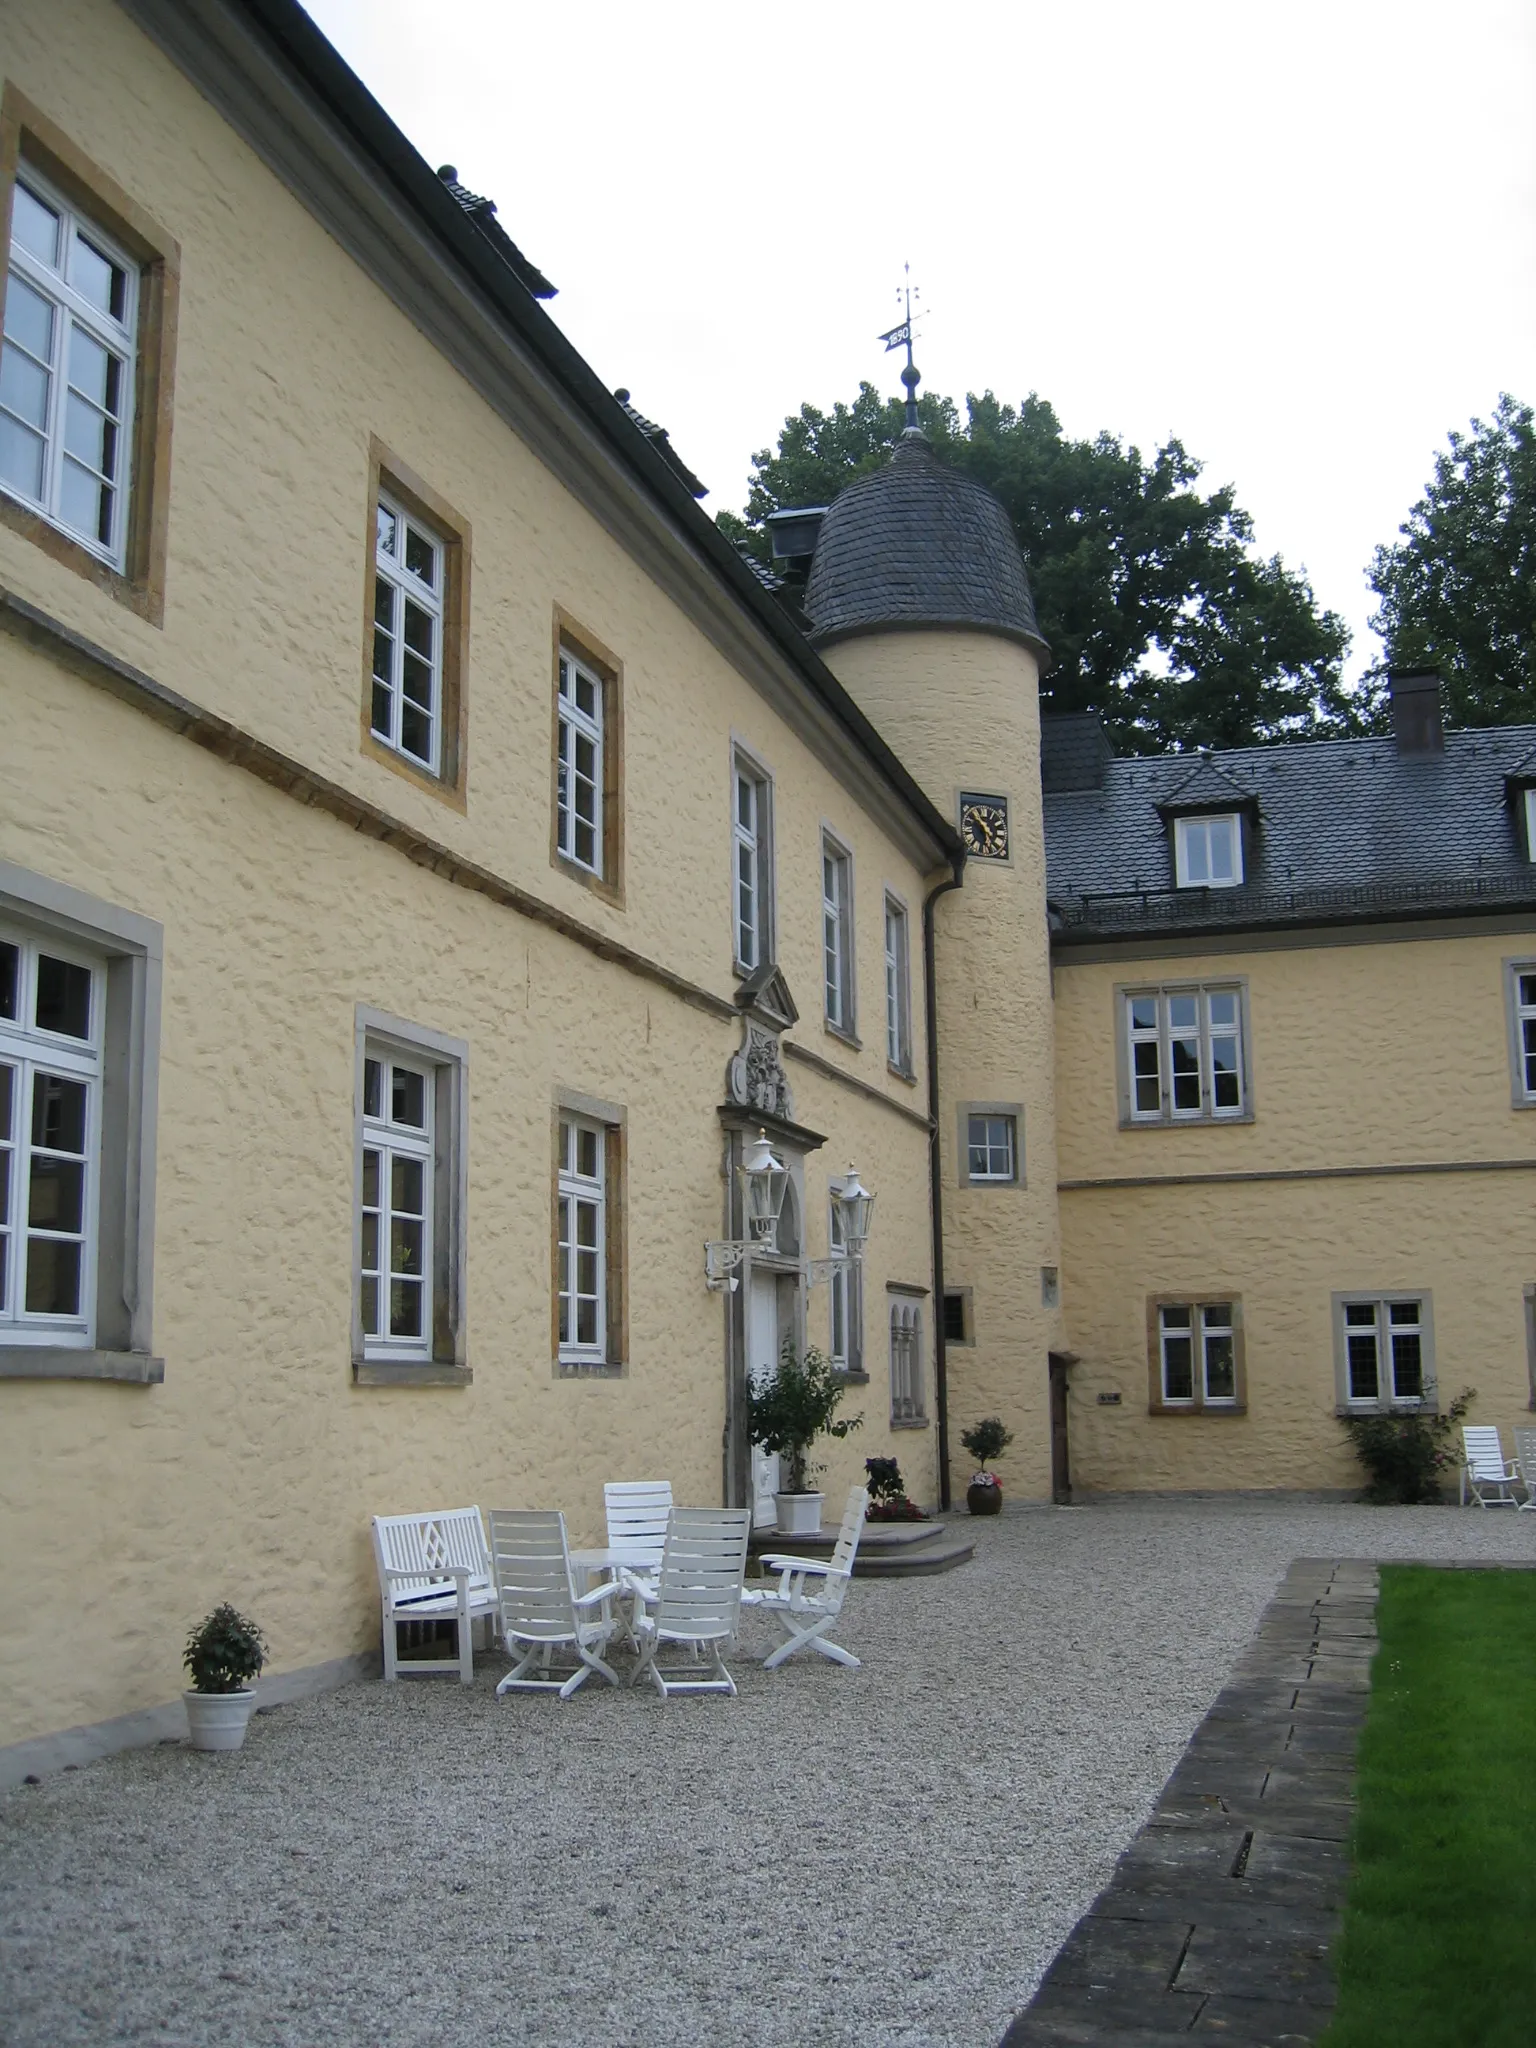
pixel 889 1855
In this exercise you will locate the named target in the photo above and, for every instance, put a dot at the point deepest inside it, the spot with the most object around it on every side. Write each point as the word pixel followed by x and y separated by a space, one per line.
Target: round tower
pixel 919 602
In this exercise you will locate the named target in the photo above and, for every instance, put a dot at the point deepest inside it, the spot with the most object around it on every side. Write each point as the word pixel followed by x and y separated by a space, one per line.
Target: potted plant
pixel 224 1653
pixel 985 1440
pixel 786 1413
pixel 888 1500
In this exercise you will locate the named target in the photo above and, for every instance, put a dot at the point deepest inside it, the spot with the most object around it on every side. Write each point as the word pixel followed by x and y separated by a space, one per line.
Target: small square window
pixel 1208 851
pixel 991 1140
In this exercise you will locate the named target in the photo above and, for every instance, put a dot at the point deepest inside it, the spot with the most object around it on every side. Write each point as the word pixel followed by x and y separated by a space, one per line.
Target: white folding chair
pixel 540 1609
pixel 697 1602
pixel 1483 1467
pixel 637 1511
pixel 1525 1458
pixel 809 1596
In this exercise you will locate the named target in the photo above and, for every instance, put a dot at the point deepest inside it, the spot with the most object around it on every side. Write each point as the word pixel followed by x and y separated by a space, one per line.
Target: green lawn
pixel 1439 1945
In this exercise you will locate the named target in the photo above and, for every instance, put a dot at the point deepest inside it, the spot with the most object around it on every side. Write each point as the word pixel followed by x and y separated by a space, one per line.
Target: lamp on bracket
pixel 855 1207
pixel 763 1181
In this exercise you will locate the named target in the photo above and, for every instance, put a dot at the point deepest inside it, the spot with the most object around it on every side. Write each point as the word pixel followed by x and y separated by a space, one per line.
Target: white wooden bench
pixel 434 1567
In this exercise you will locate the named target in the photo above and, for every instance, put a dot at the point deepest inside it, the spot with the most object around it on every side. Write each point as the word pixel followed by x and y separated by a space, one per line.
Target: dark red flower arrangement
pixel 888 1500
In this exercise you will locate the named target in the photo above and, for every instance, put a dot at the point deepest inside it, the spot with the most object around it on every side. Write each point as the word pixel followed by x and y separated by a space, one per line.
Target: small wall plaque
pixel 1109 1400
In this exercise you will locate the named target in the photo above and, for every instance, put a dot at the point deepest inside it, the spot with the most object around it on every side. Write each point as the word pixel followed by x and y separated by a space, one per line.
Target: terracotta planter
pixel 984 1500
pixel 799 1514
pixel 218 1719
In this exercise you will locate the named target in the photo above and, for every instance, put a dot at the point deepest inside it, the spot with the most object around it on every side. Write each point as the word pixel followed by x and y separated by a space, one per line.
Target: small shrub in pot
pixel 985 1440
pixel 223 1654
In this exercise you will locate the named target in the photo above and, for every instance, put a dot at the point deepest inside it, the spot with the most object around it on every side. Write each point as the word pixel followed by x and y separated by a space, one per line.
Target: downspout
pixel 936 1173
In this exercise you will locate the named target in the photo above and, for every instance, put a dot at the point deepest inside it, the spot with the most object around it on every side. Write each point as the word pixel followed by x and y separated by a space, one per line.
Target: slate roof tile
pixel 1347 829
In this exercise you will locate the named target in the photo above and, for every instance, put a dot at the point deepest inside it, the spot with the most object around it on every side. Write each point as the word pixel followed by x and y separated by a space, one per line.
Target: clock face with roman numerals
pixel 984 825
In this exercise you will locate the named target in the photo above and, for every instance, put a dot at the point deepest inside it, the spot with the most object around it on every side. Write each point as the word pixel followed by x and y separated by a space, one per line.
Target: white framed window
pixel 992 1147
pixel 396 1264
pixel 1528 797
pixel 408 586
pixel 411 1112
pixel 1208 851
pixel 1184 1055
pixel 907 1396
pixel 751 864
pixel 52 1003
pixel 1197 1354
pixel 845 1299
pixel 898 989
pixel 837 932
pixel 1520 994
pixel 582 1243
pixel 67 369
pixel 579 765
pixel 1385 1351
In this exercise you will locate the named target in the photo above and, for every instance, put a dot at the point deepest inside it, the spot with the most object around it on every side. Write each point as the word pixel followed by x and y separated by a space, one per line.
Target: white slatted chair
pixel 1525 1458
pixel 1484 1470
pixel 637 1511
pixel 809 1596
pixel 697 1602
pixel 434 1567
pixel 540 1609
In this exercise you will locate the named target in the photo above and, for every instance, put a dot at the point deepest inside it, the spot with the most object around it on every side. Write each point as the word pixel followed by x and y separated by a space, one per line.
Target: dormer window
pixel 1530 824
pixel 1208 851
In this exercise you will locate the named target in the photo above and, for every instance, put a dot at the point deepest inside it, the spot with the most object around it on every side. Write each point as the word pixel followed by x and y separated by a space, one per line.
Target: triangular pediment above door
pixel 765 995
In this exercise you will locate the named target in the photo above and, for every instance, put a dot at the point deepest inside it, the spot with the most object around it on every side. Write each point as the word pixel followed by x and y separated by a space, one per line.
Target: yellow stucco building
pixel 429 854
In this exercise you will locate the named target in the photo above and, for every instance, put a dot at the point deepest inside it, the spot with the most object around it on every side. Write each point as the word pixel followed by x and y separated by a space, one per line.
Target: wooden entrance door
pixel 1061 1472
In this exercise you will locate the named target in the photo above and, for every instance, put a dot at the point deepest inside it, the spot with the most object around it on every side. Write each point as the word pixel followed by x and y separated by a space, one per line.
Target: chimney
pixel 792 534
pixel 1074 750
pixel 1416 720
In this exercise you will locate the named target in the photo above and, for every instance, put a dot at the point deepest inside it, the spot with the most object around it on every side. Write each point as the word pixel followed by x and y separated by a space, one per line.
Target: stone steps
pixel 887 1550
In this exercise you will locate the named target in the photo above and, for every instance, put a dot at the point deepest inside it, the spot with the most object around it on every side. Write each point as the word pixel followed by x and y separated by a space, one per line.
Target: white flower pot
pixel 799 1513
pixel 218 1719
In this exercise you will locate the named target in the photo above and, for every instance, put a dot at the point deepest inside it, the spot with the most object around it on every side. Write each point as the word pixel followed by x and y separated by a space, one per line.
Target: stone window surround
pixel 133 950
pixel 614 1120
pixel 1123 991
pixel 846 1027
pixel 1385 1405
pixel 395 479
pixel 449 1060
pixel 1514 966
pixel 897 1291
pixel 1196 1297
pixel 746 761
pixel 964 1111
pixel 573 640
pixel 25 131
pixel 906 1069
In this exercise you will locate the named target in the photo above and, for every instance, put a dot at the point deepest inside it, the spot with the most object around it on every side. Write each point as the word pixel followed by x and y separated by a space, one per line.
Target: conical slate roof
pixel 914 545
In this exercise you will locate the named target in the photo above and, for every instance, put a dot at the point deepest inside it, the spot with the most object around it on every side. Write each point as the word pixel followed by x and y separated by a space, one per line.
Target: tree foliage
pixel 1458 591
pixel 1158 610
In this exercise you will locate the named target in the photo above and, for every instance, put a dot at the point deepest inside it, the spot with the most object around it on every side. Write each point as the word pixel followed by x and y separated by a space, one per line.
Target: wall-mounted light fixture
pixel 763 1181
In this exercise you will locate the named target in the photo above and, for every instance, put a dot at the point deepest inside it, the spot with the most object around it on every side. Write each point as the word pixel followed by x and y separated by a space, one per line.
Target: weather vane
pixel 901 337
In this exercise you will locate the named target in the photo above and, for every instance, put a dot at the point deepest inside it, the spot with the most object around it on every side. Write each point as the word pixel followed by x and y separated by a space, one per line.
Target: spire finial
pixel 900 336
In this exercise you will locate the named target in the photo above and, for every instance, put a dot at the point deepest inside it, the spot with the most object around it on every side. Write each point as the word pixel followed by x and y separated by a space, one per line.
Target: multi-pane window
pixel 51 1002
pixel 898 989
pixel 1384 1351
pixel 407 703
pixel 751 872
pixel 1197 1354
pixel 837 933
pixel 1185 1054
pixel 907 1404
pixel 579 765
pixel 395 1265
pixel 1525 1031
pixel 66 369
pixel 992 1146
pixel 1209 852
pixel 846 1300
pixel 581 1202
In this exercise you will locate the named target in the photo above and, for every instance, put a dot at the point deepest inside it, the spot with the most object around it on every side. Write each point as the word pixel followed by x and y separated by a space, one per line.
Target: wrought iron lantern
pixel 763 1182
pixel 856 1208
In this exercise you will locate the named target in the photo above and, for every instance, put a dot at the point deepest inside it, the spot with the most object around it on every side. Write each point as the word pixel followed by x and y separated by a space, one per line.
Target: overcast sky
pixel 1301 238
